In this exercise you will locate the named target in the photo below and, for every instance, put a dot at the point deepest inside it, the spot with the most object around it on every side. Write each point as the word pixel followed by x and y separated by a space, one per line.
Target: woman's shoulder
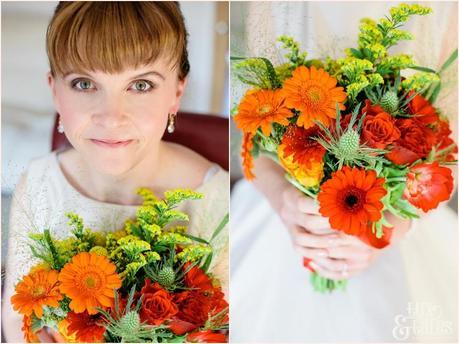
pixel 190 166
pixel 40 168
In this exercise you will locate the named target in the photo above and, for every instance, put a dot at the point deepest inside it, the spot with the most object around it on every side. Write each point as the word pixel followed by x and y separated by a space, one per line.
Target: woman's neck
pixel 120 189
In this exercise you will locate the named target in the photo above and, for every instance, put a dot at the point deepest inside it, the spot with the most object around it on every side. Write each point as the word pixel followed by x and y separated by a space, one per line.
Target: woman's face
pixel 116 120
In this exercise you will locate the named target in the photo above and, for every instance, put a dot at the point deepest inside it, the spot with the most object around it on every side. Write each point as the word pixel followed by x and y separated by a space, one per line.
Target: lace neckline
pixel 211 173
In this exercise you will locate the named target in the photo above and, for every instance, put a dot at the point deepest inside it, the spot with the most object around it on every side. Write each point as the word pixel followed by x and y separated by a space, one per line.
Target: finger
pixel 305 239
pixel 307 205
pixel 349 252
pixel 341 265
pixel 333 275
pixel 312 223
pixel 291 197
pixel 44 336
pixel 315 224
pixel 311 253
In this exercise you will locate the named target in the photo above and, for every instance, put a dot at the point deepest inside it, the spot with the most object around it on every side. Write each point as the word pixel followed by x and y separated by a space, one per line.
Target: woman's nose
pixel 111 112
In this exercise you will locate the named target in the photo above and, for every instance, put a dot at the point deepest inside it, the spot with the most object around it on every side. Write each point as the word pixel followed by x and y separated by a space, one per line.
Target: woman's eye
pixel 142 86
pixel 83 84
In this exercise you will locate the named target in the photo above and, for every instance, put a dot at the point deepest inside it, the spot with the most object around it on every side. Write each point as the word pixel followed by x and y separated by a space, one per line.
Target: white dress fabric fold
pixel 408 294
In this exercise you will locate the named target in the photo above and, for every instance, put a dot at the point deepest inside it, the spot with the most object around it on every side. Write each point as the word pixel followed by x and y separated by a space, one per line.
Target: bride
pixel 405 292
pixel 118 72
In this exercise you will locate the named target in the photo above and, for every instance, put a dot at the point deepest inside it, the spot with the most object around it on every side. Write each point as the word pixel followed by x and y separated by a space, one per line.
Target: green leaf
pixel 435 92
pixel 207 262
pixel 422 69
pixel 356 53
pixel 201 240
pixel 448 62
pixel 219 228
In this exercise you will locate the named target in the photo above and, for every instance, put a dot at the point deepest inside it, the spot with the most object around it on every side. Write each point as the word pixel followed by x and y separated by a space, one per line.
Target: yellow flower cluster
pixel 176 196
pixel 173 238
pixel 402 12
pixel 148 197
pixel 194 252
pixel 420 81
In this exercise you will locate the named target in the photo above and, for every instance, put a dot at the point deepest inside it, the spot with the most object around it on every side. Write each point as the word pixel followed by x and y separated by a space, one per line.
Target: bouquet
pixel 352 133
pixel 147 282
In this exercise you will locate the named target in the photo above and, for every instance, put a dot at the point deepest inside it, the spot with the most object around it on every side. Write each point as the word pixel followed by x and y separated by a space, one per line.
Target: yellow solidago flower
pixel 194 252
pixel 176 196
pixel 99 238
pixel 119 234
pixel 102 251
pixel 173 238
pixel 420 81
pixel 148 197
pixel 402 12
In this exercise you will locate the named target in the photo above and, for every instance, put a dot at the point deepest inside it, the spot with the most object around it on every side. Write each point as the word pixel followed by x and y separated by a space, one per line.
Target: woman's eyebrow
pixel 148 73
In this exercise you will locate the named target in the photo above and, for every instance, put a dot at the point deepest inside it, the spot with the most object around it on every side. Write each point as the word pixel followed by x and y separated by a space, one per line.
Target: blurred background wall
pixel 27 110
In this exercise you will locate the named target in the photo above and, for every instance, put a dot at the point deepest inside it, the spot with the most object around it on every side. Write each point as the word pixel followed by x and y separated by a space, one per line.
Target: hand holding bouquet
pixel 353 133
pixel 148 282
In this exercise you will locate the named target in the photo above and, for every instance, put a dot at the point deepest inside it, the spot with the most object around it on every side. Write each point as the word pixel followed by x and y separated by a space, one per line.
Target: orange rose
pixel 196 278
pixel 423 111
pixel 443 139
pixel 157 305
pixel 415 142
pixel 379 131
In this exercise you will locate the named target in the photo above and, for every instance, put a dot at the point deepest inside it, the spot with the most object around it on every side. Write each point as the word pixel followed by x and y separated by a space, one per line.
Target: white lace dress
pixel 41 200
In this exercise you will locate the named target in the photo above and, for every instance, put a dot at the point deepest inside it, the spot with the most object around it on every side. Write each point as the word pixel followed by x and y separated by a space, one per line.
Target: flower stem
pixel 396 179
pixel 325 285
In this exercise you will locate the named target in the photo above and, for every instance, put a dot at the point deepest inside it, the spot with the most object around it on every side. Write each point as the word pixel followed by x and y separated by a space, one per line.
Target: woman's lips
pixel 111 143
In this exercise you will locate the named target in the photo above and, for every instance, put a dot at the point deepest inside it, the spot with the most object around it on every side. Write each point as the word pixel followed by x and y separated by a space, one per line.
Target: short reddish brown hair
pixel 111 36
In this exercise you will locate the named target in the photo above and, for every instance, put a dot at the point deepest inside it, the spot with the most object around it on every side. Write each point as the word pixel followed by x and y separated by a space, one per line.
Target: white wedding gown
pixel 408 294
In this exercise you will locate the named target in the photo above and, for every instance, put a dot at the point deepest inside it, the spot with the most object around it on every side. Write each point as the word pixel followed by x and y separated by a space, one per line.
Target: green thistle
pixel 164 273
pixel 389 101
pixel 345 146
pixel 166 276
pixel 130 322
pixel 126 327
pixel 349 143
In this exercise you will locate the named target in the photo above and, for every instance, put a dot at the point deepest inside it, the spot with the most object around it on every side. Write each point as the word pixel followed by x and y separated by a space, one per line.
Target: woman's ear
pixel 51 83
pixel 181 85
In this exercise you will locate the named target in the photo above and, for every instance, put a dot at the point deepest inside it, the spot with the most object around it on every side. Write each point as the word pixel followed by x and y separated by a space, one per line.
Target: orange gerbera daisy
pixel 247 158
pixel 313 92
pixel 260 109
pixel 86 328
pixel 89 280
pixel 299 143
pixel 29 335
pixel 351 199
pixel 37 289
